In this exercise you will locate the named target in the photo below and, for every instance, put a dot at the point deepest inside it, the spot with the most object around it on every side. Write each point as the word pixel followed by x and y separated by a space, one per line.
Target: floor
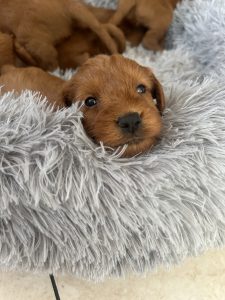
pixel 201 278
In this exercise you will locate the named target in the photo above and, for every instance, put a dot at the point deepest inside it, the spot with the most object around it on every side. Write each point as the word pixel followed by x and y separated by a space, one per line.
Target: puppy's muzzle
pixel 129 123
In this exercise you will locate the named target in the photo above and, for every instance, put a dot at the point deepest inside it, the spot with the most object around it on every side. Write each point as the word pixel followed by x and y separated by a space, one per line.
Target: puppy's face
pixel 123 102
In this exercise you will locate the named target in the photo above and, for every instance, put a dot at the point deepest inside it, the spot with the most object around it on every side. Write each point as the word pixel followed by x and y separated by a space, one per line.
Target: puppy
pixel 75 50
pixel 119 105
pixel 117 94
pixel 40 25
pixel 156 16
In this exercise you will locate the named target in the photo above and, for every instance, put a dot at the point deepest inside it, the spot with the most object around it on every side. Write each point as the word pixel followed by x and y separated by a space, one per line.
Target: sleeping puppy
pixel 122 101
pixel 40 25
pixel 155 15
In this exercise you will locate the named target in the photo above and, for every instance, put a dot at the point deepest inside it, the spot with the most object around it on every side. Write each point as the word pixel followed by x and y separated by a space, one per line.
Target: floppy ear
pixel 158 94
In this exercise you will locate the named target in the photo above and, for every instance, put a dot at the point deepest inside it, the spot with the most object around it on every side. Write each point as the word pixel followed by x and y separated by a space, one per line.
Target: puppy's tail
pixel 23 54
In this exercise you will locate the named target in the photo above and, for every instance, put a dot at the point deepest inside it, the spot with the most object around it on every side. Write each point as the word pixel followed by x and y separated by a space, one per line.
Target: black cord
pixel 54 286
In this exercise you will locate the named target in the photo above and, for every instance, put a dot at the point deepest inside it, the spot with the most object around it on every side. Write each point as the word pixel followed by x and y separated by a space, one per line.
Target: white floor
pixel 201 278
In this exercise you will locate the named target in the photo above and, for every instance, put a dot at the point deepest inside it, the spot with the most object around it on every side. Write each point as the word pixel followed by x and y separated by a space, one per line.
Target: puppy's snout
pixel 130 122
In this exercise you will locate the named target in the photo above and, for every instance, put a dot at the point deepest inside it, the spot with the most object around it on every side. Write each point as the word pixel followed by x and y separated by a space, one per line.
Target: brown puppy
pixel 73 51
pixel 155 15
pixel 39 25
pixel 118 96
pixel 119 102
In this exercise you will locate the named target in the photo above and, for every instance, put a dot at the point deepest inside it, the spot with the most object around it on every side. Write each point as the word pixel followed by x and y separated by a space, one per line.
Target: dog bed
pixel 68 205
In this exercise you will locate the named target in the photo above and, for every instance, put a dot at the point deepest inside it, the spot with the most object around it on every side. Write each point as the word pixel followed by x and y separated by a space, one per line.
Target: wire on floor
pixel 54 286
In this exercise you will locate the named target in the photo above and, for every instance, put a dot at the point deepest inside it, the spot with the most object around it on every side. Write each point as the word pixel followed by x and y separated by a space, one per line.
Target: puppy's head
pixel 123 102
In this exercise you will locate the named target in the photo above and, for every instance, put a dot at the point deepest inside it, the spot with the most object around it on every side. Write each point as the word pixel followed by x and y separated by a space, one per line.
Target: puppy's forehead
pixel 115 68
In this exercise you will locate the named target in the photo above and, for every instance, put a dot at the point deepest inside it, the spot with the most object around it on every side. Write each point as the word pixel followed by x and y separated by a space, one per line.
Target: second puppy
pixel 39 26
pixel 155 15
pixel 123 101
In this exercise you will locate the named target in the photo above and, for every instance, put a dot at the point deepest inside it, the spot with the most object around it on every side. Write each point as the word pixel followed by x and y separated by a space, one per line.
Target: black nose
pixel 130 122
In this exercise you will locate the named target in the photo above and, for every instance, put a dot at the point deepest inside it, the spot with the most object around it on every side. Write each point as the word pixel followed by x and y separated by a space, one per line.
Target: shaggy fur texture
pixel 68 205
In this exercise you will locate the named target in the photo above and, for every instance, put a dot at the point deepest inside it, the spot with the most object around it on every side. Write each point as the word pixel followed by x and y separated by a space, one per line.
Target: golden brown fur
pixel 154 15
pixel 9 49
pixel 75 50
pixel 6 50
pixel 40 25
pixel 112 81
pixel 84 43
pixel 35 79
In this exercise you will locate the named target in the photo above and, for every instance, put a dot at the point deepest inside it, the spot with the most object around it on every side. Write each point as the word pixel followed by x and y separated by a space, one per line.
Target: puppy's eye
pixel 90 101
pixel 141 89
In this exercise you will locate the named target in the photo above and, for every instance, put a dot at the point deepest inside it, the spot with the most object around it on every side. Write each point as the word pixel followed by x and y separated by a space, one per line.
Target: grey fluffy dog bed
pixel 69 205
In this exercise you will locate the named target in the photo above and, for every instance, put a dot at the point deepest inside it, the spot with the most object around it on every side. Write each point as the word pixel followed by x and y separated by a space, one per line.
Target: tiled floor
pixel 201 278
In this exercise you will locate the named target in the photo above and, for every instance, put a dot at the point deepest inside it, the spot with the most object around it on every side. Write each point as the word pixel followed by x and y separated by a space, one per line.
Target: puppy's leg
pixel 81 13
pixel 103 15
pixel 44 54
pixel 23 54
pixel 40 48
pixel 123 9
pixel 118 35
pixel 6 50
pixel 158 27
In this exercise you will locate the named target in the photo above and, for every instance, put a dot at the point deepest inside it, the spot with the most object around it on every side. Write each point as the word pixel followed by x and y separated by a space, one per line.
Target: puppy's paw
pixel 118 36
pixel 42 53
pixel 23 54
pixel 152 45
pixel 104 33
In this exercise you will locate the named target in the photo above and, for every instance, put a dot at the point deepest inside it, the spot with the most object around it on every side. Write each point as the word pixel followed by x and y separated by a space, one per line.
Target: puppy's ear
pixel 68 93
pixel 158 94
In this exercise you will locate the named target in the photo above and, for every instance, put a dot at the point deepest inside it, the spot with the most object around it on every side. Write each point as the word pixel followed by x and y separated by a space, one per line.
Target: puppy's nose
pixel 130 122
